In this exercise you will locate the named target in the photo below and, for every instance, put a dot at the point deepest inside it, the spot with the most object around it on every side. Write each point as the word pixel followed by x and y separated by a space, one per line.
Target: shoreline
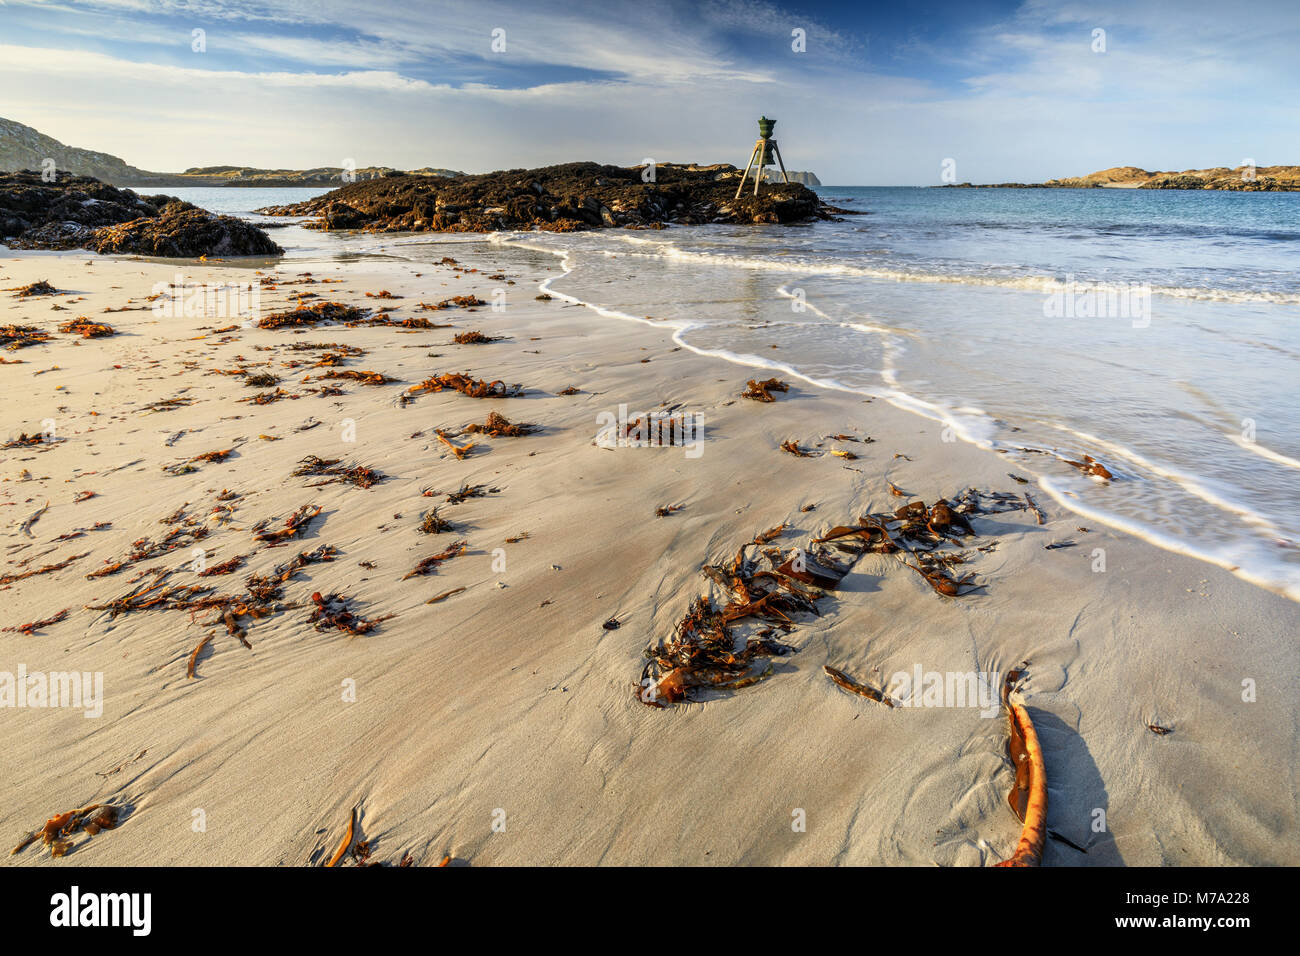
pixel 919 407
pixel 489 700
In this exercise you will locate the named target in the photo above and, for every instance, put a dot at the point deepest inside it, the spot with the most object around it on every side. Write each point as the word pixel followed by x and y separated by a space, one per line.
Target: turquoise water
pixel 1158 331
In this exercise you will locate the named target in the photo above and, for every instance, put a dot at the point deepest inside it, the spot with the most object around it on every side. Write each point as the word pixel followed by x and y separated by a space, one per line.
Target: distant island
pixel 796 176
pixel 22 147
pixel 1240 179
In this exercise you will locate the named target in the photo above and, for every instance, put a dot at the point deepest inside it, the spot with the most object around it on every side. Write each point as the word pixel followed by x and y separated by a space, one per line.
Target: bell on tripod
pixel 765 152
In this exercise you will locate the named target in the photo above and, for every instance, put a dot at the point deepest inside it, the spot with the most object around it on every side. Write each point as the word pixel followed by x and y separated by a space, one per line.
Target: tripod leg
pixel 761 150
pixel 741 187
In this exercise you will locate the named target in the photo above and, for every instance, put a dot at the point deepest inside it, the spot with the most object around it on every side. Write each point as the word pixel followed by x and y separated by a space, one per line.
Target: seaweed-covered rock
pixel 27 202
pixel 183 231
pixel 77 212
pixel 564 198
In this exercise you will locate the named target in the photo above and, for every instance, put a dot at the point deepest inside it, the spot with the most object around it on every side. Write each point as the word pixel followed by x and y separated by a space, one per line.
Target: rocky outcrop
pixel 77 212
pixel 182 231
pixel 564 198
pixel 22 147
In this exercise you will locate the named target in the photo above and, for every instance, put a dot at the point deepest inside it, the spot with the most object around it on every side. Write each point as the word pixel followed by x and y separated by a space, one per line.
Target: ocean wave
pixel 1044 284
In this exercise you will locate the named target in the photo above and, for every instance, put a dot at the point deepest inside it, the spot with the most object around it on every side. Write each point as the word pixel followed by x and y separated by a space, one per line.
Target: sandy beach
pixel 502 724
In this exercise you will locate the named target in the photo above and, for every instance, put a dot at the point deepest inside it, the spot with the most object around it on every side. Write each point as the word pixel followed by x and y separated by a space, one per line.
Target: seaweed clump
pixel 466 385
pixel 498 425
pixel 762 391
pixel 316 467
pixel 59 830
pixel 20 336
pixel 334 611
pixel 474 338
pixel 312 315
pixel 35 288
pixel 86 329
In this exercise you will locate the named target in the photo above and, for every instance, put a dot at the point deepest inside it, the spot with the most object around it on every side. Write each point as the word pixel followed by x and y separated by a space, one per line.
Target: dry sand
pixel 501 726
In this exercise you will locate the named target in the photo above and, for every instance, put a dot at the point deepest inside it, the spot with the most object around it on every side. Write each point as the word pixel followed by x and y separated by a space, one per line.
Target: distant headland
pixel 1239 179
pixel 22 147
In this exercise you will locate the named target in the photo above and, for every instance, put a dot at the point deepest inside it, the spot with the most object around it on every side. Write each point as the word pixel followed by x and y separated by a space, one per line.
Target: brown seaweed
pixel 762 391
pixel 1028 795
pixel 433 524
pixel 365 377
pixel 437 598
pixel 1091 466
pixel 225 567
pixel 194 656
pixel 334 611
pixel 347 840
pixel 314 466
pixel 460 451
pixel 32 627
pixel 41 287
pixel 852 686
pixel 705 650
pixel 498 425
pixel 311 315
pixel 474 338
pixel 24 440
pixel 426 565
pixel 455 302
pixel 466 385
pixel 294 526
pixel 83 326
pixel 467 491
pixel 58 831
pixel 20 336
pixel 46 569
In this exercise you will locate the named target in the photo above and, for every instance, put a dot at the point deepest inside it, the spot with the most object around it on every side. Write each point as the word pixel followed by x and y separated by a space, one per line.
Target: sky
pixel 864 93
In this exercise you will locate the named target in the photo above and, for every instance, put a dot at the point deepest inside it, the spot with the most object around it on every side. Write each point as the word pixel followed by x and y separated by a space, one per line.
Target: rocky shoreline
pixel 78 212
pixel 566 198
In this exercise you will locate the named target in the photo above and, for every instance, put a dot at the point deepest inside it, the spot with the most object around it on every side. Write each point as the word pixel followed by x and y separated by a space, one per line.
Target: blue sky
pixel 882 94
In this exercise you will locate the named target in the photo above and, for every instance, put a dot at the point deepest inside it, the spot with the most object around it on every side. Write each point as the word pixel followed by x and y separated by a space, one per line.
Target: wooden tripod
pixel 758 155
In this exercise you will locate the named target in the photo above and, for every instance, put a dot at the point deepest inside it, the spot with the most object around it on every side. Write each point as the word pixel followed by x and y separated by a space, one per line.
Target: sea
pixel 1156 331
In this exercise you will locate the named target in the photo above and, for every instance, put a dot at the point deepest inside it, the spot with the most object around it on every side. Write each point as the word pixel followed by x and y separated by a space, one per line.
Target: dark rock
pixel 77 212
pixel 182 231
pixel 565 198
